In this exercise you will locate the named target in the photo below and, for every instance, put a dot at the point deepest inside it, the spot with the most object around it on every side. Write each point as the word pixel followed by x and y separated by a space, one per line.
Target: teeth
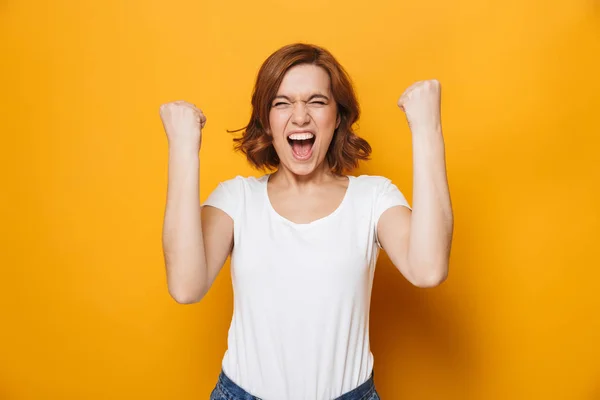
pixel 301 136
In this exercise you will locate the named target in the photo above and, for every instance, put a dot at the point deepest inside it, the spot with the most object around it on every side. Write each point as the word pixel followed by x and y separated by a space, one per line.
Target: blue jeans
pixel 226 389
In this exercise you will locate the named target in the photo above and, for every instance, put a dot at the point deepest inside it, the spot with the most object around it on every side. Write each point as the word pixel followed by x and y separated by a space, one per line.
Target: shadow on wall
pixel 423 342
pixel 418 338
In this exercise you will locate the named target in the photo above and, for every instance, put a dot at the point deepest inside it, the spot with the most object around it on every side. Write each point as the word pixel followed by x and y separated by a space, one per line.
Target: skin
pixel 418 242
pixel 197 241
pixel 304 102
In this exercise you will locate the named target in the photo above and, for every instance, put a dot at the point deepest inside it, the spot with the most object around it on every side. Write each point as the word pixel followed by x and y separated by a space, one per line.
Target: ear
pixel 338 121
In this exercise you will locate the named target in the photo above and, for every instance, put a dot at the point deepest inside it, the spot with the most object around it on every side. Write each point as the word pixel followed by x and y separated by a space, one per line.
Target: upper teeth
pixel 301 136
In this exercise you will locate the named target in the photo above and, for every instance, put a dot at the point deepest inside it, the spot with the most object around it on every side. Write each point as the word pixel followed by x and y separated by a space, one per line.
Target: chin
pixel 300 169
pixel 304 167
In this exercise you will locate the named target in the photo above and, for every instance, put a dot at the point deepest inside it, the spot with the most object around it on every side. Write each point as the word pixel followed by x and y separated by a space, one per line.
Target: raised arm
pixel 195 243
pixel 418 242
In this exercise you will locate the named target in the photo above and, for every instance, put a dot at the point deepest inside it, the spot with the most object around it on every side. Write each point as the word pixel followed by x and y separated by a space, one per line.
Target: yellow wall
pixel 85 312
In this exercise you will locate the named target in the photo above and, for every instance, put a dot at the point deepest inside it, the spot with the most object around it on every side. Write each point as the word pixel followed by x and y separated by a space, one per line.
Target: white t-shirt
pixel 302 292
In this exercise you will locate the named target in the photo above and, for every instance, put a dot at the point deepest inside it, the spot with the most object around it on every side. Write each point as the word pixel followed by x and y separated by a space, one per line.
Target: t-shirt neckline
pixel 307 224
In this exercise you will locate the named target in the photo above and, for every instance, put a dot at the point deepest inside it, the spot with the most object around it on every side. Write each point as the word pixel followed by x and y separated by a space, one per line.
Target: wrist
pixel 183 150
pixel 426 130
pixel 184 146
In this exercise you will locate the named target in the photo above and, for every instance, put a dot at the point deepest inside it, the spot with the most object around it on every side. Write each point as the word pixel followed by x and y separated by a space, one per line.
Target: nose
pixel 300 114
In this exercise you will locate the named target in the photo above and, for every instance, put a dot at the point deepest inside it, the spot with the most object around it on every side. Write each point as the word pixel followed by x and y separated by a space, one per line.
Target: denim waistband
pixel 231 388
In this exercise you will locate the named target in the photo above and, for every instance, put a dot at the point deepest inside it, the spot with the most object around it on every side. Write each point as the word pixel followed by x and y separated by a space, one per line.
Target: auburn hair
pixel 346 148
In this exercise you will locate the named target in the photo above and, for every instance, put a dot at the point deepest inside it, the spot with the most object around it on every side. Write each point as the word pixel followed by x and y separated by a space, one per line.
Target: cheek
pixel 326 119
pixel 277 122
pixel 277 127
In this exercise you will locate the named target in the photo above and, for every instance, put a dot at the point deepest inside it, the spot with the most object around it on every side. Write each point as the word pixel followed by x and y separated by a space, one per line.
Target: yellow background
pixel 85 311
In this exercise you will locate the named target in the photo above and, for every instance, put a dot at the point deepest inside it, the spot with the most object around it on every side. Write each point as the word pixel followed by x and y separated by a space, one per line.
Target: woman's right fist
pixel 183 123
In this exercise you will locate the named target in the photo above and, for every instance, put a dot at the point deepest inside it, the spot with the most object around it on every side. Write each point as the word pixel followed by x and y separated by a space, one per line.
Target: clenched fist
pixel 183 123
pixel 421 103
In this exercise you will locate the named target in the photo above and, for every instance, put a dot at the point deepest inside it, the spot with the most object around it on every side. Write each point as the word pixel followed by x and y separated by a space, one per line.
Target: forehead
pixel 305 79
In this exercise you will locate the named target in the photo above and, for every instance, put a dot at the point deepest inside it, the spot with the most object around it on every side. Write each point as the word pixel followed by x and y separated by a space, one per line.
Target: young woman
pixel 304 238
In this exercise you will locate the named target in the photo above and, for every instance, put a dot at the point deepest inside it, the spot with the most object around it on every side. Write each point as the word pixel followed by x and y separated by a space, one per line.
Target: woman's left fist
pixel 421 103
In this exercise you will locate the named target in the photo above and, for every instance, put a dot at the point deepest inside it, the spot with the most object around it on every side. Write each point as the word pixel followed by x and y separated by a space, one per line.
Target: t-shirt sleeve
pixel 388 196
pixel 226 197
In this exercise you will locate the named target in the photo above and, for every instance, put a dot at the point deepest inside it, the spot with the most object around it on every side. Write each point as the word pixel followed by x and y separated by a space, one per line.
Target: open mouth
pixel 302 144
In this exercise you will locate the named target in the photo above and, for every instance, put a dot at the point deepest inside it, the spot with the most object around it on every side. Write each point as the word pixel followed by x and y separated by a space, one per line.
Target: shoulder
pixel 240 189
pixel 368 189
pixel 371 183
pixel 233 194
pixel 380 189
pixel 242 183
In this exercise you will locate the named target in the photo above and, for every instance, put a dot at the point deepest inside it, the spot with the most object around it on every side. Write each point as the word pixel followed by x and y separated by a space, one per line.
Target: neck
pixel 319 175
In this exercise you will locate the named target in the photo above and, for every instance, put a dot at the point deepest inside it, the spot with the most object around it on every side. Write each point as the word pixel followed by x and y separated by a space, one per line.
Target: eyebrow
pixel 312 97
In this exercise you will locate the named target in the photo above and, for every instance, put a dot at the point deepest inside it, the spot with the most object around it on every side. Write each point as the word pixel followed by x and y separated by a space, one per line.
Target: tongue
pixel 301 147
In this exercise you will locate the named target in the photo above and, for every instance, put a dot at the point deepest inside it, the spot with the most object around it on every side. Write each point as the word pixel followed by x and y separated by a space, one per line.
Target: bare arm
pixel 218 240
pixel 195 243
pixel 183 245
pixel 419 242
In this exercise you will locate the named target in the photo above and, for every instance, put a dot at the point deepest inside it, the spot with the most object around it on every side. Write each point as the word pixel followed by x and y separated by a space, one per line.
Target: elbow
pixel 185 298
pixel 185 285
pixel 430 277
pixel 430 281
pixel 186 295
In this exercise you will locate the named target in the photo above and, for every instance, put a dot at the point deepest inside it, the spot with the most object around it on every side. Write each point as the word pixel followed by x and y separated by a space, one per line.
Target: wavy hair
pixel 346 148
